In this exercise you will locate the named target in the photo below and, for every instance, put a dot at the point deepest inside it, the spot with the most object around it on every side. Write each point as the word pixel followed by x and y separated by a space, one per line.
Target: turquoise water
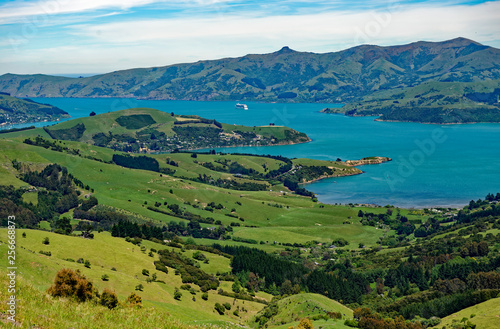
pixel 432 165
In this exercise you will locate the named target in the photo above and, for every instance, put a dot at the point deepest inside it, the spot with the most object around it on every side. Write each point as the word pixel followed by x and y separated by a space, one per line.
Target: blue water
pixel 432 165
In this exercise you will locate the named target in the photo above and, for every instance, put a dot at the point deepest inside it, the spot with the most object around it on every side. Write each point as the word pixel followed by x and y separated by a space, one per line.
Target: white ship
pixel 241 106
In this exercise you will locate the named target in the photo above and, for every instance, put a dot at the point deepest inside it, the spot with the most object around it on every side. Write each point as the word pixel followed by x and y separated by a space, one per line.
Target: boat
pixel 241 106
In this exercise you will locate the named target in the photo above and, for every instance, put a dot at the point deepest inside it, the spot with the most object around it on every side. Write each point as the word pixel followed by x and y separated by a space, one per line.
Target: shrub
pixel 69 283
pixel 219 308
pixel 105 277
pixel 204 296
pixel 109 298
pixel 87 264
pixel 177 294
pixel 46 253
pixel 139 287
pixel 134 300
pixel 351 323
pixel 227 306
pixel 46 240
pixel 145 272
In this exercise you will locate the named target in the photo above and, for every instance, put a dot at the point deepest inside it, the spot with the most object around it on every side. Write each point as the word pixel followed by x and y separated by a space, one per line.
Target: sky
pixel 66 37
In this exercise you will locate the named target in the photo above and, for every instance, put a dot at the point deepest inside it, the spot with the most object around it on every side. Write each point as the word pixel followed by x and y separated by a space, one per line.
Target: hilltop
pixel 15 110
pixel 357 77
pixel 150 130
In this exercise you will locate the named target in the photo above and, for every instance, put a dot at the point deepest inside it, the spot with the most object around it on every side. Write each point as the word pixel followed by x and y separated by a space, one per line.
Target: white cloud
pixel 343 28
pixel 17 11
pixel 157 42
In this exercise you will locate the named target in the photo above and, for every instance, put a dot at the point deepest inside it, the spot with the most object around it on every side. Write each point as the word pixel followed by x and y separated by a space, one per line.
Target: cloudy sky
pixel 98 36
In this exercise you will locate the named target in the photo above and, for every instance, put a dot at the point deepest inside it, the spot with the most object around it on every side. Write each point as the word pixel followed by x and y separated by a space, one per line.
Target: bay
pixel 433 165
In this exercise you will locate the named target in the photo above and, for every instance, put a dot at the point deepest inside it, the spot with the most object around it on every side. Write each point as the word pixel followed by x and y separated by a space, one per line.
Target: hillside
pixel 431 102
pixel 484 315
pixel 221 240
pixel 15 110
pixel 149 130
pixel 123 265
pixel 289 76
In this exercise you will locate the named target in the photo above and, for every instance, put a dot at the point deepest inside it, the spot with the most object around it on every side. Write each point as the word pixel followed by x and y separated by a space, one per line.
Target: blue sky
pixel 98 36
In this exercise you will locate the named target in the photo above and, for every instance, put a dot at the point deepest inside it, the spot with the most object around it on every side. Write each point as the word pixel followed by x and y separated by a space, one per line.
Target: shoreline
pixel 352 164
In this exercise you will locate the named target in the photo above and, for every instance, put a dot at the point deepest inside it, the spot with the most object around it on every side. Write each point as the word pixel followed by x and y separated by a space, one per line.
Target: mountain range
pixel 356 77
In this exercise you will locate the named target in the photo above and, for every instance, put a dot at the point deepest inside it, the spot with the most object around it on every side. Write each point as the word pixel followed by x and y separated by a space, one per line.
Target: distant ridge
pixel 286 75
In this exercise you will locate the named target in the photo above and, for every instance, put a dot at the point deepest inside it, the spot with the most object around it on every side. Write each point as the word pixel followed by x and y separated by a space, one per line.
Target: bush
pixel 134 300
pixel 46 240
pixel 105 277
pixel 227 306
pixel 351 323
pixel 204 296
pixel 46 253
pixel 87 264
pixel 145 272
pixel 177 295
pixel 139 287
pixel 219 308
pixel 69 283
pixel 109 298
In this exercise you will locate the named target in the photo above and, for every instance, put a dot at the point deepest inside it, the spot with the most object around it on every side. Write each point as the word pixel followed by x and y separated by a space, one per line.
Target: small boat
pixel 241 106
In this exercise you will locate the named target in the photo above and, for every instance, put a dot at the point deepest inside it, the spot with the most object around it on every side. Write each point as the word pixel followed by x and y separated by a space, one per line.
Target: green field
pixel 294 218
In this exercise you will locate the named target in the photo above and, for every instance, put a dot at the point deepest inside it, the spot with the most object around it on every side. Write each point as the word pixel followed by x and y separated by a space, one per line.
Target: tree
pixel 63 226
pixel 105 277
pixel 236 287
pixel 286 288
pixel 139 287
pixel 482 248
pixel 46 240
pixel 92 113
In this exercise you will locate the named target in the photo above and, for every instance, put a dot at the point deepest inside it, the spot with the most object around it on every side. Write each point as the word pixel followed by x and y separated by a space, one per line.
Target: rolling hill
pixel 15 110
pixel 149 130
pixel 289 76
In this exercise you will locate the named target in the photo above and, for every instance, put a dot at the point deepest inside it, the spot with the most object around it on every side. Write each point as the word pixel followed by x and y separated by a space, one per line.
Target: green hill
pixel 145 130
pixel 289 76
pixel 484 315
pixel 15 110
pixel 291 309
pixel 431 102
pixel 123 263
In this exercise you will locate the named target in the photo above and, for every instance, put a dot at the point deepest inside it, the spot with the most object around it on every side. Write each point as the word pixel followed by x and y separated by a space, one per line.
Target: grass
pixel 123 262
pixel 296 307
pixel 35 309
pixel 486 315
pixel 297 218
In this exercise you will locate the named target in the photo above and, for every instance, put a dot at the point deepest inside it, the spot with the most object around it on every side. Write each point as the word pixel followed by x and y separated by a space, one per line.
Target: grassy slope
pixel 433 95
pixel 35 309
pixel 299 219
pixel 105 252
pixel 486 315
pixel 16 106
pixel 164 123
pixel 296 307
